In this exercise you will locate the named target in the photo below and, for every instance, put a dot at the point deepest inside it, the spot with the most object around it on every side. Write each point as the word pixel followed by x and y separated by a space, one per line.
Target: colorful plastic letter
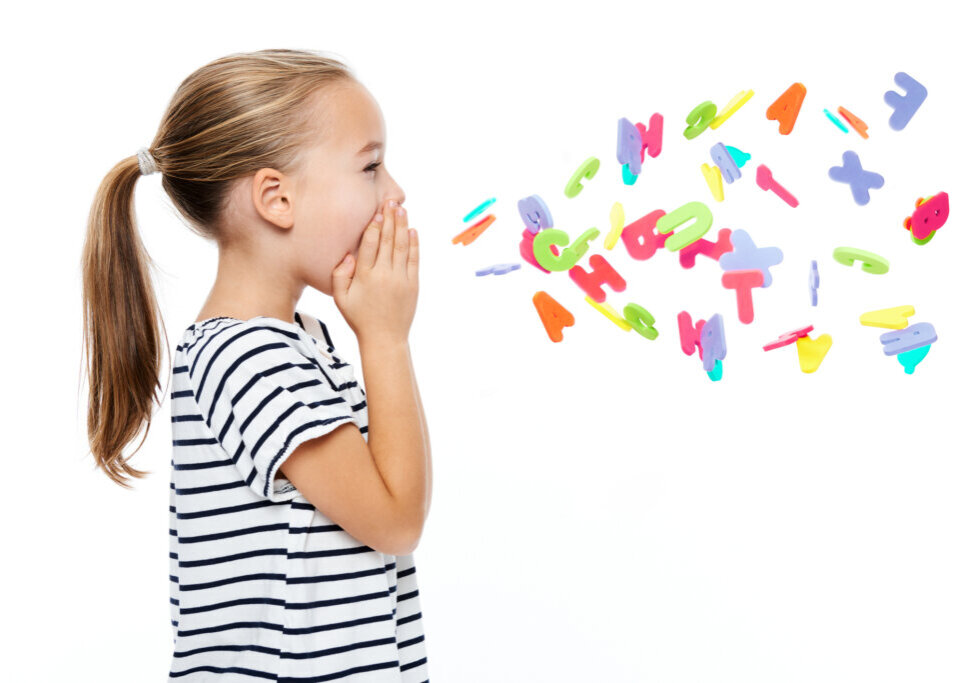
pixel 909 359
pixel 786 107
pixel 812 351
pixel 582 243
pixel 892 318
pixel 699 118
pixel 859 179
pixel 716 373
pixel 629 145
pixel 905 105
pixel 714 179
pixel 733 106
pixel 929 215
pixel 554 317
pixel 690 335
pixel 616 226
pixel 603 274
pixel 570 255
pixel 608 311
pixel 478 209
pixel 912 337
pixel 814 282
pixel 542 250
pixel 872 263
pixel 642 238
pixel 692 211
pixel 628 177
pixel 743 281
pixel 835 120
pixel 640 320
pixel 535 214
pixel 724 161
pixel 856 123
pixel 586 170
pixel 713 341
pixel 745 256
pixel 498 269
pixel 764 179
pixel 712 250
pixel 525 249
pixel 469 235
pixel 788 338
pixel 651 136
pixel 738 156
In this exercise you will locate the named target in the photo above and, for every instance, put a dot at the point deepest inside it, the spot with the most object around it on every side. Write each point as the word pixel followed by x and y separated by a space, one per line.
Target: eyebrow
pixel 370 147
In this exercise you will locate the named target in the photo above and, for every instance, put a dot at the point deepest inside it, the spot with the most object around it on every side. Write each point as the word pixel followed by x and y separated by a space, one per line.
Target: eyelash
pixel 372 167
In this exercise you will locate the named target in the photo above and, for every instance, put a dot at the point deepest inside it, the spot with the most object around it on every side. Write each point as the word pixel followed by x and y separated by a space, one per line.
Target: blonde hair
pixel 227 119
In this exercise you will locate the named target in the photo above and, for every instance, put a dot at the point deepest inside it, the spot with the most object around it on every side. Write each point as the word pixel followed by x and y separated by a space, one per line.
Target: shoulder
pixel 314 327
pixel 249 346
pixel 261 331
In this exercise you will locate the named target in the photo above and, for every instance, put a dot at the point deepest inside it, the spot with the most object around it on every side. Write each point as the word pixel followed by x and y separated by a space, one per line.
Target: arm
pixel 423 423
pixel 397 434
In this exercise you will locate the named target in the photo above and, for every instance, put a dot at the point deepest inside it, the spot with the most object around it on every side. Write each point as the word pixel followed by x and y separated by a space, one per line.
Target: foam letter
pixel 640 320
pixel 699 118
pixel 641 237
pixel 651 136
pixel 786 108
pixel 694 211
pixel 724 161
pixel 603 274
pixel 554 316
pixel 905 105
pixel 742 281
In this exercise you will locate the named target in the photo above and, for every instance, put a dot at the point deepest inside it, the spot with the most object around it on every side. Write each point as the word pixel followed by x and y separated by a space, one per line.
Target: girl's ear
pixel 273 196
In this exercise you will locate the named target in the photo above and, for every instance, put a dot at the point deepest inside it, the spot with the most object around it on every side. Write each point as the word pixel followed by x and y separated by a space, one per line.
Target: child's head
pixel 260 152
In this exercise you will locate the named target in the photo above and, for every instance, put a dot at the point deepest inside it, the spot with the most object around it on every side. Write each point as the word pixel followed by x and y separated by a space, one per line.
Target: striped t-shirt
pixel 263 585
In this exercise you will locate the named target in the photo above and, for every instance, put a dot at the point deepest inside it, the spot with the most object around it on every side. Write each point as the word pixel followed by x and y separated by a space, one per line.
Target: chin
pixel 323 284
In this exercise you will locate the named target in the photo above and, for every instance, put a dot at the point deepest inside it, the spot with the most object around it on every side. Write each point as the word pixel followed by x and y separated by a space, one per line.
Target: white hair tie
pixel 147 164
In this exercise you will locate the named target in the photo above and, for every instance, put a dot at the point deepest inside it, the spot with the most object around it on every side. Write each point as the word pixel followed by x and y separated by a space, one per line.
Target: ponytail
pixel 120 324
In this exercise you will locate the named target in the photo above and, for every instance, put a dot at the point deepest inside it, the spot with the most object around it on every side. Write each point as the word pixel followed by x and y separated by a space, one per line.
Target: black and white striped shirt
pixel 263 585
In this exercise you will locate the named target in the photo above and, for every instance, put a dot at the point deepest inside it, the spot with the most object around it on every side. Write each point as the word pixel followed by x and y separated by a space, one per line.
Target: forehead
pixel 350 117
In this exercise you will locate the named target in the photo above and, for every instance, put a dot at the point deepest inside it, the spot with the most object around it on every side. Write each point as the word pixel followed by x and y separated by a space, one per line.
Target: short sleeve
pixel 263 391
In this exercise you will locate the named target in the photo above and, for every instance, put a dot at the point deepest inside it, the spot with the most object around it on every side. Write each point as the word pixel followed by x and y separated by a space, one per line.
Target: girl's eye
pixel 372 167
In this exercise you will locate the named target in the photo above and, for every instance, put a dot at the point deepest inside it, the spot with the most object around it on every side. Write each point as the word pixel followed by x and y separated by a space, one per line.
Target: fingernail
pixel 378 218
pixel 401 211
pixel 392 203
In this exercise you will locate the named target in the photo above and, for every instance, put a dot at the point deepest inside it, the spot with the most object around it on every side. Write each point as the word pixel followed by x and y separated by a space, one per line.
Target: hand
pixel 377 293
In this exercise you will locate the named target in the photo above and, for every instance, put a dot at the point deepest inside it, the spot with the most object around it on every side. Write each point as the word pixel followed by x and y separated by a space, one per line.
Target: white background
pixel 601 510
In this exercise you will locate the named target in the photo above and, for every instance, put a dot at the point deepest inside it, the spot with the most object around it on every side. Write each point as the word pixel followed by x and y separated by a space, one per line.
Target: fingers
pixel 407 249
pixel 413 255
pixel 387 240
pixel 401 241
pixel 369 243
pixel 384 256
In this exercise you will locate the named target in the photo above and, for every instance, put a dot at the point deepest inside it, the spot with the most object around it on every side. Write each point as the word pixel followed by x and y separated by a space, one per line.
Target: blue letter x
pixel 859 179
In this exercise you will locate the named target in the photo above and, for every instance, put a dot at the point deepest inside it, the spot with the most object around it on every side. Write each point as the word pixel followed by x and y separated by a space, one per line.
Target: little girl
pixel 293 518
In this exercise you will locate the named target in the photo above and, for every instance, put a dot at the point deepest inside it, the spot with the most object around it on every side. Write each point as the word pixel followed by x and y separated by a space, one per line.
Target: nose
pixel 396 194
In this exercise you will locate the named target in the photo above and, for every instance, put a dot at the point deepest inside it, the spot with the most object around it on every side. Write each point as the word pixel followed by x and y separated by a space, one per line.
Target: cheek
pixel 337 215
pixel 358 223
pixel 355 236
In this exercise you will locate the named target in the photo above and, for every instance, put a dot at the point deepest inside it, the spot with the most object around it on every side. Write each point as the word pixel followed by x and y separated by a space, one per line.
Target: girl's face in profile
pixel 344 183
